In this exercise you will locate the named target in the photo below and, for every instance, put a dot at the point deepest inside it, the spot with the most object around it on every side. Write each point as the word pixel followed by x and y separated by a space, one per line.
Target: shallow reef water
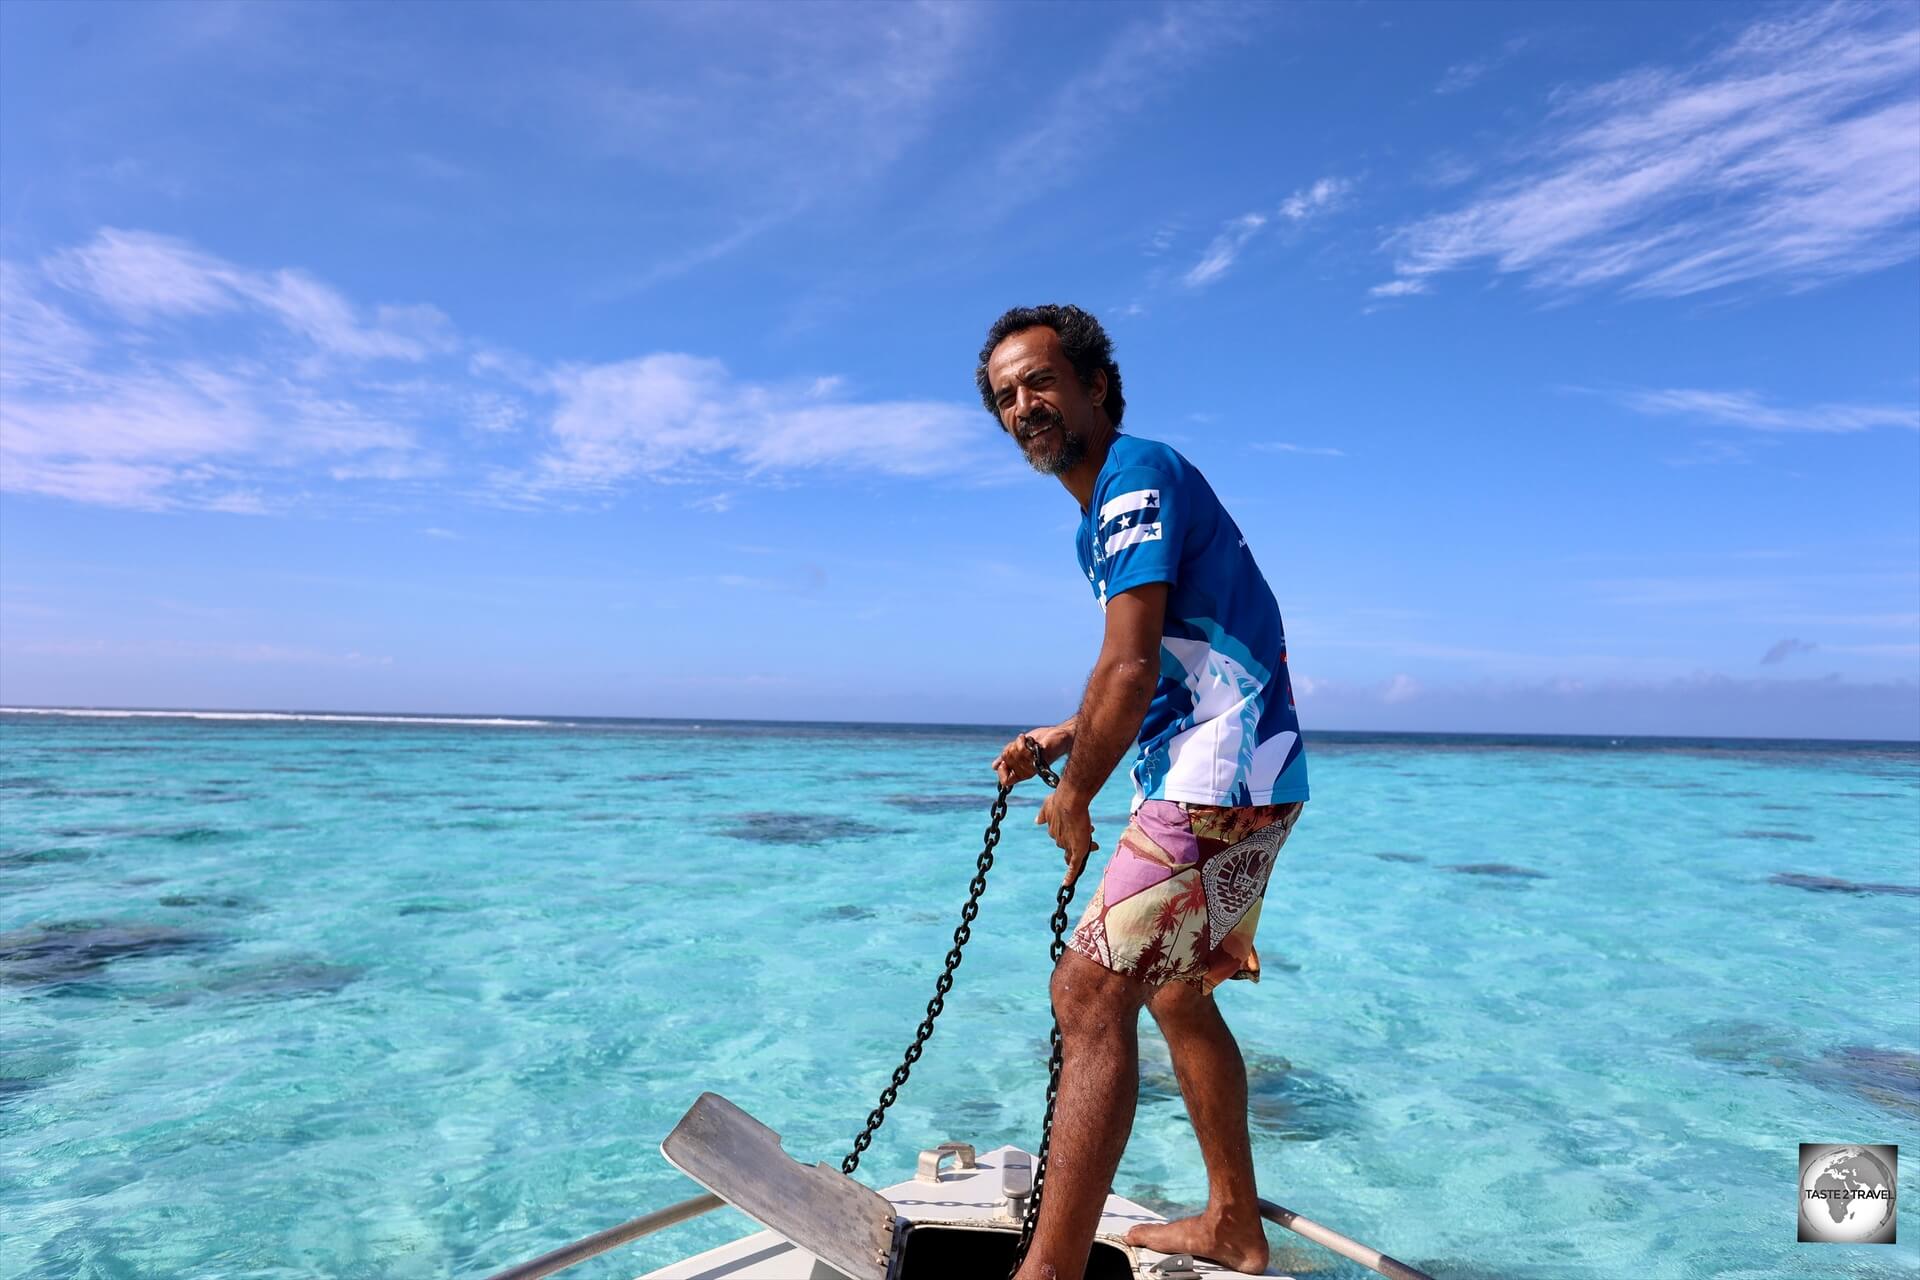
pixel 413 1000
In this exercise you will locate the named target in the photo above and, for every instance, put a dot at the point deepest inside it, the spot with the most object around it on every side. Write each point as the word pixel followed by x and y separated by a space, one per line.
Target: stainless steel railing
pixel 611 1238
pixel 1328 1238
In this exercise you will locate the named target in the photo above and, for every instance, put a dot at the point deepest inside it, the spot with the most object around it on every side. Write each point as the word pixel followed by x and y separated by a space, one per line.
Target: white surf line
pixel 95 712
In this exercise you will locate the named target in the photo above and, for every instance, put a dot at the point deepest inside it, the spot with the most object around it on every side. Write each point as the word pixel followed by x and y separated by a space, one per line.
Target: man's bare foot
pixel 1239 1245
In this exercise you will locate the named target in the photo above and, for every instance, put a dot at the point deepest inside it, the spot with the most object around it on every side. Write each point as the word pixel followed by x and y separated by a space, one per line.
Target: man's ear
pixel 1097 389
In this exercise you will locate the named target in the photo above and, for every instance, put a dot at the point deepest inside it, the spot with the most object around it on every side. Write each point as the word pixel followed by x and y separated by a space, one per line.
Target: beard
pixel 1060 451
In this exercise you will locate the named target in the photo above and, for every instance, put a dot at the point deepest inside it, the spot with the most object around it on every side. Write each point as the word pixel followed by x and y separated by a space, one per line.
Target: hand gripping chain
pixel 944 984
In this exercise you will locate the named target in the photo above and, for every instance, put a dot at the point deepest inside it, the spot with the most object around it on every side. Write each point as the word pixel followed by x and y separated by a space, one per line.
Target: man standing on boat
pixel 1193 669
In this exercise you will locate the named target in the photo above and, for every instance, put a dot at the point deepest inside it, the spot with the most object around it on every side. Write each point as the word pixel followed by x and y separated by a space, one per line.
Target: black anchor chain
pixel 944 984
pixel 1032 1217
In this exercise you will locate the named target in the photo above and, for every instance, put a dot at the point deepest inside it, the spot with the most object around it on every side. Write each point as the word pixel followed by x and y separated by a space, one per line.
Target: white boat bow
pixel 958 1217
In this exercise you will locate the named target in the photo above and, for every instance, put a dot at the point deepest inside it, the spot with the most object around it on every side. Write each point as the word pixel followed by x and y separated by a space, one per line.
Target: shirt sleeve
pixel 1139 532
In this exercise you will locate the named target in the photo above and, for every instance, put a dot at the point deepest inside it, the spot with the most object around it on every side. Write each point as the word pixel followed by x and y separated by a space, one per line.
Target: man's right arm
pixel 1015 762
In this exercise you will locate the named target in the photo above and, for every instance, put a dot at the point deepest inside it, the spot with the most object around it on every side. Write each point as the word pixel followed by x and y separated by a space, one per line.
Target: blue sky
pixel 1561 363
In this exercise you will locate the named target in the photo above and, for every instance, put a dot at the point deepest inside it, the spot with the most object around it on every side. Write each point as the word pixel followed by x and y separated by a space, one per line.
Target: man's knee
pixel 1089 998
pixel 1178 1005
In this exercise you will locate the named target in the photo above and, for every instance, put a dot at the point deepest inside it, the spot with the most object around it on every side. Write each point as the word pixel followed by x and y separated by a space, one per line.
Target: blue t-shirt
pixel 1222 728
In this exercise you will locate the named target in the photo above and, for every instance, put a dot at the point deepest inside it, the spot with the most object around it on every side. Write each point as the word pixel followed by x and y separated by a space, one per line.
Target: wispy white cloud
pixel 700 255
pixel 1398 288
pixel 1278 446
pixel 1748 409
pixel 144 276
pixel 1137 65
pixel 1785 157
pixel 672 416
pixel 98 404
pixel 1711 453
pixel 805 579
pixel 1464 75
pixel 1402 688
pixel 140 371
pixel 795 103
pixel 1225 248
pixel 40 344
pixel 1308 202
pixel 1322 197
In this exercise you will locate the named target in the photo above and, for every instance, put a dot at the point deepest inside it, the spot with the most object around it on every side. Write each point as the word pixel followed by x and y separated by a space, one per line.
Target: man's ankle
pixel 1236 1212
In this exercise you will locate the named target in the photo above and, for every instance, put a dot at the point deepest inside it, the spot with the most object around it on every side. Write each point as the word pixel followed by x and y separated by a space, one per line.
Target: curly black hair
pixel 1087 346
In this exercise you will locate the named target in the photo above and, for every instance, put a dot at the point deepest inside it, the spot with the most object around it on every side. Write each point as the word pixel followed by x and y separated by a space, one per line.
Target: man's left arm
pixel 1116 700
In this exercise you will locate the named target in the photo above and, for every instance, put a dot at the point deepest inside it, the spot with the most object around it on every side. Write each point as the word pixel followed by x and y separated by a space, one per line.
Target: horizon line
pixel 543 721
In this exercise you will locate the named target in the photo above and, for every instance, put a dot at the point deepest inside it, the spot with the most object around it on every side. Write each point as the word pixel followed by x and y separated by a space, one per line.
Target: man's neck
pixel 1083 477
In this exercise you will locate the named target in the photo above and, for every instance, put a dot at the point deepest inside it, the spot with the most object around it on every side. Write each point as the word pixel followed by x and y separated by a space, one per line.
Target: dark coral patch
pixel 37 857
pixel 1886 1077
pixel 1294 1104
pixel 27 1066
pixel 77 950
pixel 433 907
pixel 1752 1045
pixel 283 980
pixel 1399 857
pixel 1774 835
pixel 225 901
pixel 941 804
pixel 195 835
pixel 1283 1101
pixel 1833 884
pixel 800 828
pixel 1505 870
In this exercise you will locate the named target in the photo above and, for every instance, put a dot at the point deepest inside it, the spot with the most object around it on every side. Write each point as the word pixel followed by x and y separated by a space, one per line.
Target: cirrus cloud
pixel 1786 157
pixel 141 371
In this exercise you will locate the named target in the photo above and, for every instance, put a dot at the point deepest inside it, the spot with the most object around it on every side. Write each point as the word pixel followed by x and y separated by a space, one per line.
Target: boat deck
pixel 959 1198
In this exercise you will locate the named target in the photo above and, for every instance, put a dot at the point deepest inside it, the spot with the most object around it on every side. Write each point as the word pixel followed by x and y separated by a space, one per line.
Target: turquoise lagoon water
pixel 309 998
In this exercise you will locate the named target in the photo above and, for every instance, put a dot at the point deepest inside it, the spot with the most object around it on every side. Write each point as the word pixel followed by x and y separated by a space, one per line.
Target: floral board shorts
pixel 1180 898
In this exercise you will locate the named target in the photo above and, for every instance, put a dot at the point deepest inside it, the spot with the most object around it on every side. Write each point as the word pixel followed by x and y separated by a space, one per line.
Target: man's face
pixel 1041 402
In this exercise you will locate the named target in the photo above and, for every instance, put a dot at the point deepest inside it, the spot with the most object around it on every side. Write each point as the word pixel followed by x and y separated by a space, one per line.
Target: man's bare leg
pixel 1099 1013
pixel 1213 1080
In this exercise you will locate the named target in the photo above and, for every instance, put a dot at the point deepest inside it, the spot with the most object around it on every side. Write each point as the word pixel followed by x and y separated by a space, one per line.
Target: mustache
pixel 1038 418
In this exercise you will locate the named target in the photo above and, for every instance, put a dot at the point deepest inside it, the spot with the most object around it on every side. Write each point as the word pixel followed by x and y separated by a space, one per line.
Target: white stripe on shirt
pixel 1135 501
pixel 1128 537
